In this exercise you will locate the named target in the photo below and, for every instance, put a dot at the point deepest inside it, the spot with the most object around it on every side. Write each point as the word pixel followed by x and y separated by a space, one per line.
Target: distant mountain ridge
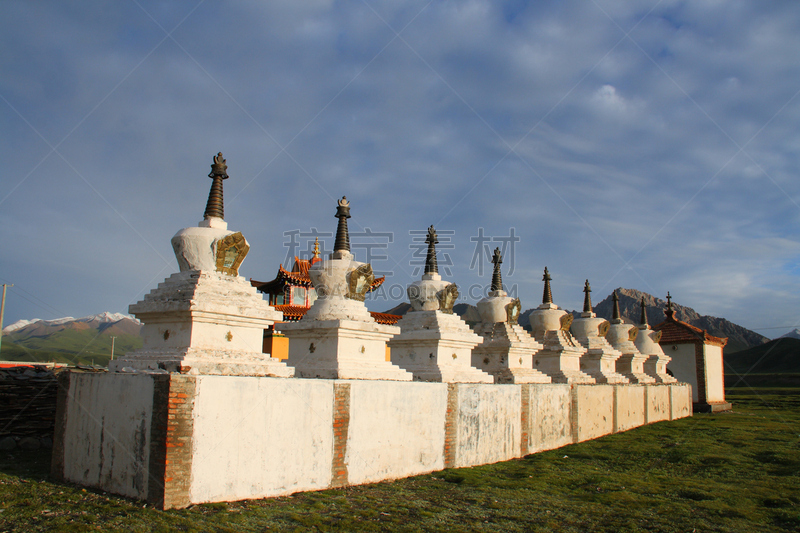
pixel 102 318
pixel 72 340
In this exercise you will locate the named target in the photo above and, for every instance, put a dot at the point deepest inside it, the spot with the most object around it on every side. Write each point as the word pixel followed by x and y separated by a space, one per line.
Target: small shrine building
pixel 696 359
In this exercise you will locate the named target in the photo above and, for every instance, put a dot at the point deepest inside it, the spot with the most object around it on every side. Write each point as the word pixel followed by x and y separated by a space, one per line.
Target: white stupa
pixel 647 343
pixel 338 338
pixel 205 319
pixel 560 356
pixel 621 336
pixel 507 349
pixel 434 344
pixel 600 358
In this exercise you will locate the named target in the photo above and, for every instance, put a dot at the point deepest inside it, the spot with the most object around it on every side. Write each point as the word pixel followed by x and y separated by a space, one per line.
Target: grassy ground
pixel 737 471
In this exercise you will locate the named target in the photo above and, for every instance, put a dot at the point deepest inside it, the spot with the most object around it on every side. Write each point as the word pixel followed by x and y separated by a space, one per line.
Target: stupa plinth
pixel 560 356
pixel 646 342
pixel 434 344
pixel 507 349
pixel 338 338
pixel 205 319
pixel 621 337
pixel 600 358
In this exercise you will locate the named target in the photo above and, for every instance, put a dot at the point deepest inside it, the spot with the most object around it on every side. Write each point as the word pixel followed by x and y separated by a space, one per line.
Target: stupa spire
pixel 431 266
pixel 669 311
pixel 547 296
pixel 316 249
pixel 643 319
pixel 342 242
pixel 615 317
pixel 587 298
pixel 214 206
pixel 497 280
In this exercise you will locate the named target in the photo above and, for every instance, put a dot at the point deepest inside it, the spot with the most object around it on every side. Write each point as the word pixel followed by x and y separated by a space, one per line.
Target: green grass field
pixel 736 471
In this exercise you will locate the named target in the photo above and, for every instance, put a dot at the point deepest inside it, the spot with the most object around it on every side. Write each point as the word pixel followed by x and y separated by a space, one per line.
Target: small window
pixel 298 296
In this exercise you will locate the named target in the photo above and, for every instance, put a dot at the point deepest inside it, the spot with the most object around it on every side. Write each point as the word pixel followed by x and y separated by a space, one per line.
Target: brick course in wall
pixel 178 441
pixel 525 415
pixel 573 413
pixel 700 368
pixel 450 426
pixel 341 425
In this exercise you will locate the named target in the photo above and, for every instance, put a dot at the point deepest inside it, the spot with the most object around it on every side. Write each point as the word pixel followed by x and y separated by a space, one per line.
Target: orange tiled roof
pixel 675 331
pixel 301 266
pixel 385 318
pixel 292 312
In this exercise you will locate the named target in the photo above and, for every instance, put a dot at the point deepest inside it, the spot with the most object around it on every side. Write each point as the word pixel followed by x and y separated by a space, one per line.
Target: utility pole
pixel 112 347
pixel 3 309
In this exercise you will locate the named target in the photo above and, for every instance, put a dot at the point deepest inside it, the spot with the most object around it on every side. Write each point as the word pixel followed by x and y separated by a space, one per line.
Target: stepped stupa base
pixel 203 322
pixel 631 366
pixel 507 354
pixel 601 366
pixel 341 349
pixel 436 346
pixel 656 367
pixel 197 361
pixel 561 358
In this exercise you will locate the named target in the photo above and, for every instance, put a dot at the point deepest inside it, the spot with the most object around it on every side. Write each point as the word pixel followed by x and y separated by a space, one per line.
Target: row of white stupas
pixel 206 319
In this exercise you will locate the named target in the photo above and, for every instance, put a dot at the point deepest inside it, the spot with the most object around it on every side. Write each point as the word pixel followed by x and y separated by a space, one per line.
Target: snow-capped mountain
pixel 793 334
pixel 86 340
pixel 99 320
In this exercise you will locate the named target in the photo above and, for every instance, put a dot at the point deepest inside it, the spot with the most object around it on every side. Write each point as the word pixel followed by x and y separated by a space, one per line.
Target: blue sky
pixel 645 144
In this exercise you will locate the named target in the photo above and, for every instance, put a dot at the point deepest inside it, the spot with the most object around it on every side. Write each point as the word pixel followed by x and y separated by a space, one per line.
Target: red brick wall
pixel 171 432
pixel 525 410
pixel 450 426
pixel 341 425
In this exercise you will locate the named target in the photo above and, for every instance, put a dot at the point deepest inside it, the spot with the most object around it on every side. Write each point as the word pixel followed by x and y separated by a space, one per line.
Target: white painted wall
pixel 658 398
pixel 630 406
pixel 488 423
pixel 396 429
pixel 681 400
pixel 683 365
pixel 595 410
pixel 107 431
pixel 715 376
pixel 256 437
pixel 550 408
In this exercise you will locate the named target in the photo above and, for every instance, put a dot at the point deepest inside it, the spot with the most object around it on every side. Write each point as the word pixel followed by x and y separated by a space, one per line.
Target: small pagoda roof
pixel 674 331
pixel 297 277
pixel 292 313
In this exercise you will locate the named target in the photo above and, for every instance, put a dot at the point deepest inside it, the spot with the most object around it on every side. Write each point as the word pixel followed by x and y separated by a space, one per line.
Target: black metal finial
pixel 643 319
pixel 431 266
pixel 342 242
pixel 669 311
pixel 587 298
pixel 615 313
pixel 215 206
pixel 547 296
pixel 497 280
